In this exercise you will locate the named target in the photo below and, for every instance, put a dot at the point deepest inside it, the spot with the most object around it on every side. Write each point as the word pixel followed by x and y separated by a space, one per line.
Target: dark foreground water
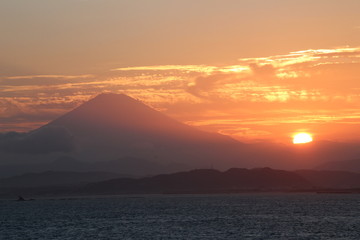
pixel 246 216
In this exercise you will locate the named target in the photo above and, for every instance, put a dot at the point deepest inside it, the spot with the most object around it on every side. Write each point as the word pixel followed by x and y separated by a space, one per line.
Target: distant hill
pixel 230 181
pixel 122 166
pixel 234 180
pixel 51 178
pixel 345 165
pixel 204 181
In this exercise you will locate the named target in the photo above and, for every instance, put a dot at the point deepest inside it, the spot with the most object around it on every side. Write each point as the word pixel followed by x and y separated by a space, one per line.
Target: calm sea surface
pixel 246 216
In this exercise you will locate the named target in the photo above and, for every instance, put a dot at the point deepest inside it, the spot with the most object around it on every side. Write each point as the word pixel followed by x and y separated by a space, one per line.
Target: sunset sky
pixel 257 70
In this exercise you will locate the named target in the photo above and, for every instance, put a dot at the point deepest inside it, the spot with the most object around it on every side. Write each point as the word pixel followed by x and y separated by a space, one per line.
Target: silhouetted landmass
pixel 203 180
pixel 122 166
pixel 50 183
pixel 346 165
pixel 50 178
pixel 113 129
pixel 113 126
pixel 114 132
pixel 233 180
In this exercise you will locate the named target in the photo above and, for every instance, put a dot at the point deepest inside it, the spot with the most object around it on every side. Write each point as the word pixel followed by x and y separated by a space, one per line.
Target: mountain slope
pixel 233 180
pixel 51 178
pixel 112 126
pixel 114 132
pixel 204 181
pixel 118 113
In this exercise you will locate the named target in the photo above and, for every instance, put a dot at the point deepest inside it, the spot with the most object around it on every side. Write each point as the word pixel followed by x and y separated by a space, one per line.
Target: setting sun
pixel 302 138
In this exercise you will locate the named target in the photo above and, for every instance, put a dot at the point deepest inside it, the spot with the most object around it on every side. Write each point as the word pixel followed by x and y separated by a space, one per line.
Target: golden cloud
pixel 315 86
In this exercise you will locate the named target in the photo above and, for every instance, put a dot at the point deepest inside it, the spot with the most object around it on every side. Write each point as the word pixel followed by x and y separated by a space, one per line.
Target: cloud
pixel 41 141
pixel 262 70
pixel 17 110
pixel 51 76
pixel 44 80
pixel 311 84
pixel 9 109
pixel 310 57
pixel 202 85
pixel 188 68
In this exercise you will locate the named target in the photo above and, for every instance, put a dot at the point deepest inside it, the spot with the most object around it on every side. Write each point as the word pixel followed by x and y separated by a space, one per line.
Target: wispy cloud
pixel 190 68
pixel 308 87
pixel 51 76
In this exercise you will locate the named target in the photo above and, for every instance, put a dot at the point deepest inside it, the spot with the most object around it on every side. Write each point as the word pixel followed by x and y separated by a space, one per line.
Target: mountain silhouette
pixel 204 181
pixel 52 178
pixel 230 181
pixel 114 132
pixel 234 180
pixel 115 126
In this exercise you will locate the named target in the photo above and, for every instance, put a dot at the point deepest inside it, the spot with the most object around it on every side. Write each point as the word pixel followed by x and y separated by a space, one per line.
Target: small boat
pixel 20 199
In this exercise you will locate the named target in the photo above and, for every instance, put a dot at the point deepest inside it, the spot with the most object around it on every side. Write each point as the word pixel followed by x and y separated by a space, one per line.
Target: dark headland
pixel 200 181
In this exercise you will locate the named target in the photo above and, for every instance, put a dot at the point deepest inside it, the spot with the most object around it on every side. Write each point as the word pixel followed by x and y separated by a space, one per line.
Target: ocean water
pixel 243 216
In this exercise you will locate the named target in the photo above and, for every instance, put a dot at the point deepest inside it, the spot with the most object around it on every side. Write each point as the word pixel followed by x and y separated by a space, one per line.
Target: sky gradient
pixel 256 70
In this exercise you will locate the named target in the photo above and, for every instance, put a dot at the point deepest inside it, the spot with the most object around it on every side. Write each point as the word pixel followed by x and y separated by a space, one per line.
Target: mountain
pixel 345 165
pixel 118 132
pixel 234 180
pixel 230 181
pixel 204 181
pixel 113 126
pixel 51 178
pixel 114 132
pixel 125 166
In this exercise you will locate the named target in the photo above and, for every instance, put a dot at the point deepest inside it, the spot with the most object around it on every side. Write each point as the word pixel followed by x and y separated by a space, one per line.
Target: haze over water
pixel 245 216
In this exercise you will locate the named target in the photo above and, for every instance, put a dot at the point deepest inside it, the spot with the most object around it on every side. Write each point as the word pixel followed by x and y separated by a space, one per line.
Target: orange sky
pixel 257 70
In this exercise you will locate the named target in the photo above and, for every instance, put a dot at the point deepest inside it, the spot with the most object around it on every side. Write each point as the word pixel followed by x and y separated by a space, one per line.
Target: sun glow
pixel 299 138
